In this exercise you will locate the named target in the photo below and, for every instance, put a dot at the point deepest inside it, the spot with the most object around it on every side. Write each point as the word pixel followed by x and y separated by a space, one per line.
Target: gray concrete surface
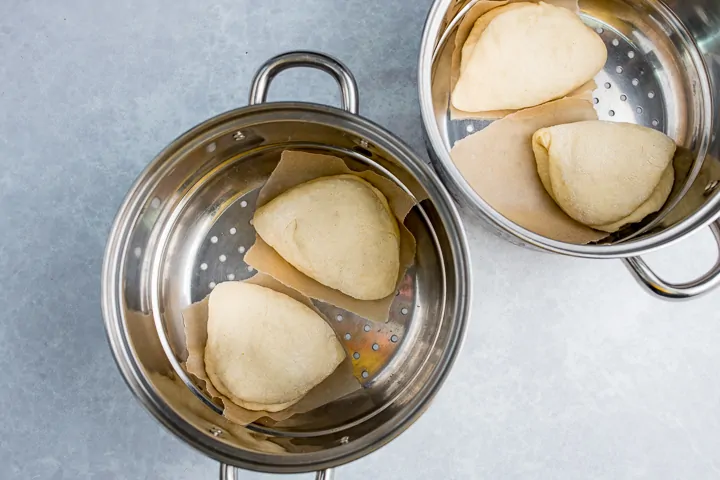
pixel 569 371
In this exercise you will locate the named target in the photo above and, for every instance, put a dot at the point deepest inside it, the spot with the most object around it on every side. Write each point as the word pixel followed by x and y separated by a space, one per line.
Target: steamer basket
pixel 655 76
pixel 185 226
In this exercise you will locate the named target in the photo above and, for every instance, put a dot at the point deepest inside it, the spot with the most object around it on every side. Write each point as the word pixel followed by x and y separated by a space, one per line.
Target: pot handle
pixel 228 472
pixel 677 291
pixel 258 94
pixel 320 61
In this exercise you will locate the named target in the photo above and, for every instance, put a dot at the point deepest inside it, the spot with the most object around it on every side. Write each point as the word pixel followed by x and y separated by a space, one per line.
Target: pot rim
pixel 133 373
pixel 440 156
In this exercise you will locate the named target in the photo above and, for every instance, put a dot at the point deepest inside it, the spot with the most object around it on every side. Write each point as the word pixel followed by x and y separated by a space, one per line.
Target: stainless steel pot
pixel 663 71
pixel 185 225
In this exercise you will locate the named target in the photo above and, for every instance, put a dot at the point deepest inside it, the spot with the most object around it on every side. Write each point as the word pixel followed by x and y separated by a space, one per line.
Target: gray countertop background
pixel 569 371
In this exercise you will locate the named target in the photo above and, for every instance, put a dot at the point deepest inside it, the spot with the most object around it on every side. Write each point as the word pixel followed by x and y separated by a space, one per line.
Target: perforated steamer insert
pixel 655 76
pixel 220 258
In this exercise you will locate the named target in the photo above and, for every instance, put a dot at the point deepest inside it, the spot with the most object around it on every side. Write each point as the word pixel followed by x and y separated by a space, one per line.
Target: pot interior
pixel 185 227
pixel 655 76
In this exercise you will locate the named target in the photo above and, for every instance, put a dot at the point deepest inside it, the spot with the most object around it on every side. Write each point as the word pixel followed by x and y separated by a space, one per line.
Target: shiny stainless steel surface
pixel 228 472
pixel 702 19
pixel 680 291
pixel 656 76
pixel 184 227
pixel 325 475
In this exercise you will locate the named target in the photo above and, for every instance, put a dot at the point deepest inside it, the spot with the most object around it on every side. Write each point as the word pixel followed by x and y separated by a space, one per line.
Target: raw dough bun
pixel 265 350
pixel 524 54
pixel 337 230
pixel 605 174
pixel 479 28
pixel 654 203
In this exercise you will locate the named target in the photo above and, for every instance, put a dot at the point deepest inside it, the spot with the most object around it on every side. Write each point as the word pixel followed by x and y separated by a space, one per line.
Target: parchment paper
pixel 461 35
pixel 184 402
pixel 298 167
pixel 499 164
pixel 339 384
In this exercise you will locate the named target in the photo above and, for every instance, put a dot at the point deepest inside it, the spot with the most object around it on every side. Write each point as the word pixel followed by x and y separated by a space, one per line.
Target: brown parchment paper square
pixel 499 164
pixel 339 384
pixel 185 403
pixel 298 167
pixel 461 35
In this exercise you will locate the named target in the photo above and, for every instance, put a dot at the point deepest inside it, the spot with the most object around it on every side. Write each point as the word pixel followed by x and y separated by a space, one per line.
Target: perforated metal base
pixel 628 90
pixel 220 258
